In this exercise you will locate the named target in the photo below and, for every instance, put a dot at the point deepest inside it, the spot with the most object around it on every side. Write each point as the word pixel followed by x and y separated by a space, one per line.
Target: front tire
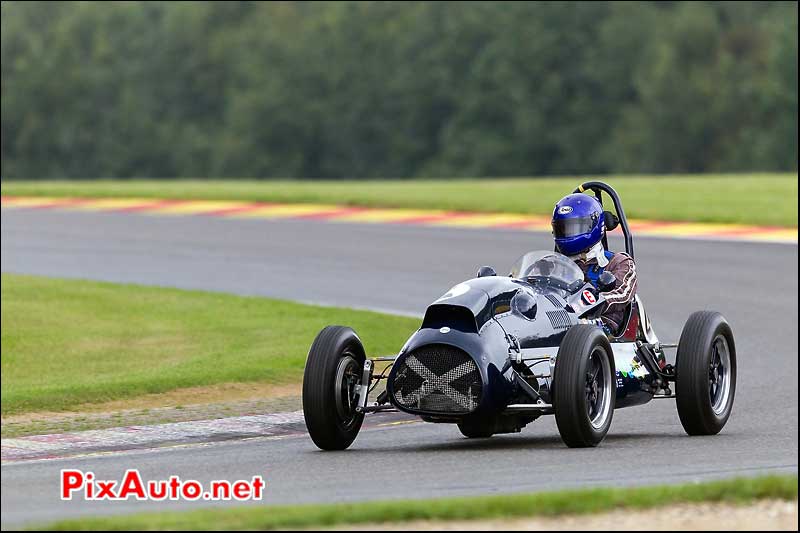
pixel 331 380
pixel 705 373
pixel 584 386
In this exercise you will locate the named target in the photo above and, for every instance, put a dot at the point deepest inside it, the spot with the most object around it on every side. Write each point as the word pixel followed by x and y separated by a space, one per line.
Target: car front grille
pixel 437 379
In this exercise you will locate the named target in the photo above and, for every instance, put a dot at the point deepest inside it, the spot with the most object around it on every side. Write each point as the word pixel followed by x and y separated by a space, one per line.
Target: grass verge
pixel 572 502
pixel 69 343
pixel 760 199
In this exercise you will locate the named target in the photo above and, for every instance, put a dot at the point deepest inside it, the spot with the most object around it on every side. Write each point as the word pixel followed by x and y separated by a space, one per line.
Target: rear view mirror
pixel 486 271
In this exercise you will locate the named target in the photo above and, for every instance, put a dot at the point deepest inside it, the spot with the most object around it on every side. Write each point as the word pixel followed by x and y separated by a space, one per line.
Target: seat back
pixel 645 332
pixel 635 324
pixel 629 324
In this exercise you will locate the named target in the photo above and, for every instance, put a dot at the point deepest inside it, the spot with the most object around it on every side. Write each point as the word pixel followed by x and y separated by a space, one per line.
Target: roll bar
pixel 598 187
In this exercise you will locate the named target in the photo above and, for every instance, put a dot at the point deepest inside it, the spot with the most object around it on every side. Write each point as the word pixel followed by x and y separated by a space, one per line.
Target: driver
pixel 578 229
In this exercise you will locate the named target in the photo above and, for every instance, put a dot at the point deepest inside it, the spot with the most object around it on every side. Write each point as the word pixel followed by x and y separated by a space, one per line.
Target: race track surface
pixel 402 269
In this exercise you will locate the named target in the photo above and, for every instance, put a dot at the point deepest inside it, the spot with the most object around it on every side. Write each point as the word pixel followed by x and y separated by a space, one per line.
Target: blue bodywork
pixel 492 317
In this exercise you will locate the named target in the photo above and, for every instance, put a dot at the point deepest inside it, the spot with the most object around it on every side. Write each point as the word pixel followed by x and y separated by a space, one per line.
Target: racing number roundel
pixel 588 297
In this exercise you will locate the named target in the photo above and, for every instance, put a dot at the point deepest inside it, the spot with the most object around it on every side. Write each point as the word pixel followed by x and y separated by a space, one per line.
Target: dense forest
pixel 396 89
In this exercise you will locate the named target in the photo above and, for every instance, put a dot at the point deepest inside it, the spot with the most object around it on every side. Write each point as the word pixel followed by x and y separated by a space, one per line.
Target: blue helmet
pixel 578 223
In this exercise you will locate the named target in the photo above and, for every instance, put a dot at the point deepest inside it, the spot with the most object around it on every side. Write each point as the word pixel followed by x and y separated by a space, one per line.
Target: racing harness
pixel 594 271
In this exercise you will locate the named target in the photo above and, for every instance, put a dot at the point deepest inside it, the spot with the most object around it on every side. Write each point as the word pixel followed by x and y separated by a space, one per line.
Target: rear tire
pixel 705 373
pixel 584 386
pixel 330 386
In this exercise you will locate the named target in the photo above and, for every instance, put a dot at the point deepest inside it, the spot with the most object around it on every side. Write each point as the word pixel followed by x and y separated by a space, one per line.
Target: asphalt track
pixel 403 268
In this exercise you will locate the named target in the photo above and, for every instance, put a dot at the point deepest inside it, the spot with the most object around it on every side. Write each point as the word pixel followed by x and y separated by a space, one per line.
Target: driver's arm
pixel 624 269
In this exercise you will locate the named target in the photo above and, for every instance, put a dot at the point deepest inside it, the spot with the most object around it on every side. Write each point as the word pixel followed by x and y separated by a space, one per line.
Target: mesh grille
pixel 559 319
pixel 438 379
pixel 554 300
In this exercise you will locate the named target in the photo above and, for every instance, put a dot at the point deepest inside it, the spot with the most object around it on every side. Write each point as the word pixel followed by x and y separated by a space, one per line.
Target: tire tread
pixel 577 344
pixel 318 405
pixel 691 368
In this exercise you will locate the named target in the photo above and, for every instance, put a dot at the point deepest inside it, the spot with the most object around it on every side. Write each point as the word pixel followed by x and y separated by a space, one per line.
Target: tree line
pixel 396 89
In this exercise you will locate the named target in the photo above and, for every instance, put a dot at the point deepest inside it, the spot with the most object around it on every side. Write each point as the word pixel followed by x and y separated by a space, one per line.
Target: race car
pixel 495 353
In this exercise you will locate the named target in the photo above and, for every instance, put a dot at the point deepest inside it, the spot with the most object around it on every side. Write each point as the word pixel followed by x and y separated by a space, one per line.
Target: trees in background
pixel 396 89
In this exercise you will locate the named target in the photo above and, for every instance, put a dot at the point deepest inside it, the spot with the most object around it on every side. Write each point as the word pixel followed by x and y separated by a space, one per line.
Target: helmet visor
pixel 570 227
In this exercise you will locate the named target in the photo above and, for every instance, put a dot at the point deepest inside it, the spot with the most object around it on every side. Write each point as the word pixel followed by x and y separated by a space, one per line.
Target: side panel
pixel 633 379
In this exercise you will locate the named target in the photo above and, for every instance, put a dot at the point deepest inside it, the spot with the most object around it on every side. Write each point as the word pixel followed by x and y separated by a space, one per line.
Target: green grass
pixel 65 343
pixel 736 491
pixel 762 199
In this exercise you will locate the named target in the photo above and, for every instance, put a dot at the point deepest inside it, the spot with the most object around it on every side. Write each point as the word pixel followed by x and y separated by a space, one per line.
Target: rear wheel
pixel 705 373
pixel 331 384
pixel 584 387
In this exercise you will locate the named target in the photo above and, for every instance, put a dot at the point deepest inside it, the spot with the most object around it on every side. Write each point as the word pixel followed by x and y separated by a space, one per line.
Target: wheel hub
pixel 719 375
pixel 598 389
pixel 347 386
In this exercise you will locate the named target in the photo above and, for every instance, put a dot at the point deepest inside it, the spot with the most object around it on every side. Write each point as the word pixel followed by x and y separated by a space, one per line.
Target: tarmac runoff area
pixel 402 268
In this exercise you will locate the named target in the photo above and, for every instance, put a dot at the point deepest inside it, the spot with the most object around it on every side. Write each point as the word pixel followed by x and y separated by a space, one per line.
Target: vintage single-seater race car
pixel 495 353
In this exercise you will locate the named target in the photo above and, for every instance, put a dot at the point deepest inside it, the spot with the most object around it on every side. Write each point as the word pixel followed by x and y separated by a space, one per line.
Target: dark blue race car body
pixel 494 321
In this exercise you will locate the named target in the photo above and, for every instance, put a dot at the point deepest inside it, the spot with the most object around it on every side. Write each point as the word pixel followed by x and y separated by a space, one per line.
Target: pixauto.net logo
pixel 76 483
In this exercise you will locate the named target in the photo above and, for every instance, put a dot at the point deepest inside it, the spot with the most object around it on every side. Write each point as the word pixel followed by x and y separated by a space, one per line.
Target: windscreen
pixel 547 265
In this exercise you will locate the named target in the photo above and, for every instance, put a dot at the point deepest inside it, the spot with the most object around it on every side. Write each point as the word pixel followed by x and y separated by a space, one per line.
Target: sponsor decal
pixel 565 210
pixel 630 370
pixel 588 297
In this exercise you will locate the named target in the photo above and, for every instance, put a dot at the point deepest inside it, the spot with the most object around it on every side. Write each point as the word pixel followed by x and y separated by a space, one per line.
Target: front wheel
pixel 705 373
pixel 331 385
pixel 584 386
